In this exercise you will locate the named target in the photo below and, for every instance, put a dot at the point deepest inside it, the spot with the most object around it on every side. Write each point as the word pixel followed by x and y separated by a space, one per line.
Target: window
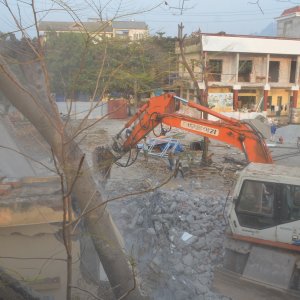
pixel 122 33
pixel 269 103
pixel 257 197
pixel 279 101
pixel 246 102
pixel 263 204
pixel 293 71
pixel 270 98
pixel 215 69
pixel 274 71
pixel 291 194
pixel 245 69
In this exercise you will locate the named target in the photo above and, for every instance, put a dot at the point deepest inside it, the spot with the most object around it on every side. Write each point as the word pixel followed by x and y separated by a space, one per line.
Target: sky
pixel 231 16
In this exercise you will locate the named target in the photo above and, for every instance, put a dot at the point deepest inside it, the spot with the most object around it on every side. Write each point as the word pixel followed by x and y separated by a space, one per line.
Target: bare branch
pixel 132 264
pixel 258 5
pixel 151 189
pixel 33 258
pixel 29 157
pixel 86 291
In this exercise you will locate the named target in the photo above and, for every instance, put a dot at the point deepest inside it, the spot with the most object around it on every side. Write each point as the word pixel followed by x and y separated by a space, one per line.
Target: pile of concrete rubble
pixel 176 236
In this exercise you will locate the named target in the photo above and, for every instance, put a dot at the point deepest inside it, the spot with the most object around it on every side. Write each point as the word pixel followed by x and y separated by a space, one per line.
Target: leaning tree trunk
pixel 36 106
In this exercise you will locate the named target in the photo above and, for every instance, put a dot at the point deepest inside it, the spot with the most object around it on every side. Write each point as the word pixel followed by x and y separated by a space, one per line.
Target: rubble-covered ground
pixel 175 233
pixel 176 236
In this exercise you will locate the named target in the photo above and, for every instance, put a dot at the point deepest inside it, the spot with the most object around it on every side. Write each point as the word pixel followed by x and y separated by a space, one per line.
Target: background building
pixel 132 30
pixel 288 24
pixel 244 72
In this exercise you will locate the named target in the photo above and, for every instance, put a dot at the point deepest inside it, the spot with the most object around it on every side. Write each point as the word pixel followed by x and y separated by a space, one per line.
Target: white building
pixel 288 24
pixel 244 72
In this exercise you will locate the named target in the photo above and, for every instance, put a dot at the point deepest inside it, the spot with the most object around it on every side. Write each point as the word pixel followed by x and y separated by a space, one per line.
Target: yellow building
pixel 245 73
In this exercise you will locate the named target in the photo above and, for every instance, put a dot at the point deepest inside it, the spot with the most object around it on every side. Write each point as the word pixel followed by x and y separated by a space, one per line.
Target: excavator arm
pixel 164 109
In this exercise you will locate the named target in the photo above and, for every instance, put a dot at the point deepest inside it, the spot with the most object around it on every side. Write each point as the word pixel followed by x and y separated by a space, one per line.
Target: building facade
pixel 288 24
pixel 246 73
pixel 132 30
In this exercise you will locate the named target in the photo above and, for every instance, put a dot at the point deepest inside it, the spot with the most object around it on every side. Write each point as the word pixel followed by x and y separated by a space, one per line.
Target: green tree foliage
pixel 74 61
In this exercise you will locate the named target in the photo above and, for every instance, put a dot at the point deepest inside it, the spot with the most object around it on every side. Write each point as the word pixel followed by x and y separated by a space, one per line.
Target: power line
pixel 218 14
pixel 212 21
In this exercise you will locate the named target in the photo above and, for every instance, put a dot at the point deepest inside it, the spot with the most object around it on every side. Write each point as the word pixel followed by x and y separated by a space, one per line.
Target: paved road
pixel 12 164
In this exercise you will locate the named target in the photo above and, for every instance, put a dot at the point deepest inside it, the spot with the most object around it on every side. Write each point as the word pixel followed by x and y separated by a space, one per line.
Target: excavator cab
pixel 263 244
pixel 266 204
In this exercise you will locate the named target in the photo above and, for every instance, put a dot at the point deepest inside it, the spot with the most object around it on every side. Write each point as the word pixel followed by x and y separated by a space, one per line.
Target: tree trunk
pixel 201 97
pixel 44 117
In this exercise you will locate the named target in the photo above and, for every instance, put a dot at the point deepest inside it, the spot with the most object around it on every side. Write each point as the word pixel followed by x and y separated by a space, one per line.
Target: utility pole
pixel 135 93
pixel 180 31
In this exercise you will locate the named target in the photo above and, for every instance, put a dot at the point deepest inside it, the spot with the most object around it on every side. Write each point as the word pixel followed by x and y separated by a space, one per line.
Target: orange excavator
pixel 264 214
pixel 164 110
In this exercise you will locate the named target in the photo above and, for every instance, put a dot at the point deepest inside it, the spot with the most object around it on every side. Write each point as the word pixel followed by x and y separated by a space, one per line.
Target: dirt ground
pixel 175 233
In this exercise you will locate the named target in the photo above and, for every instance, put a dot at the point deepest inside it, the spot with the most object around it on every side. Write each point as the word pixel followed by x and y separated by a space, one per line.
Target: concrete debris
pixel 186 236
pixel 179 235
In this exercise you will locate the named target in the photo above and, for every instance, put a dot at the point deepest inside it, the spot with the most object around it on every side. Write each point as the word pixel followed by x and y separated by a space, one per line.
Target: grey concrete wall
pixel 78 109
pixel 289 27
pixel 12 164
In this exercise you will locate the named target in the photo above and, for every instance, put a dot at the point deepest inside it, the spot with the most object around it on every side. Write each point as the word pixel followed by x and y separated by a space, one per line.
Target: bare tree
pixel 32 97
pixel 202 96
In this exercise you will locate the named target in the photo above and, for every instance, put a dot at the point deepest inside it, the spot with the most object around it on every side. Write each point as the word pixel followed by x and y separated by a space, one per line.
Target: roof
pixel 271 172
pixel 91 26
pixel 290 11
pixel 31 200
pixel 73 26
pixel 250 44
pixel 129 25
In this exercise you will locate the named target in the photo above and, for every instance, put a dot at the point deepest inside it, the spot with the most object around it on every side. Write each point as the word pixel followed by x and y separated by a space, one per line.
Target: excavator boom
pixel 164 109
